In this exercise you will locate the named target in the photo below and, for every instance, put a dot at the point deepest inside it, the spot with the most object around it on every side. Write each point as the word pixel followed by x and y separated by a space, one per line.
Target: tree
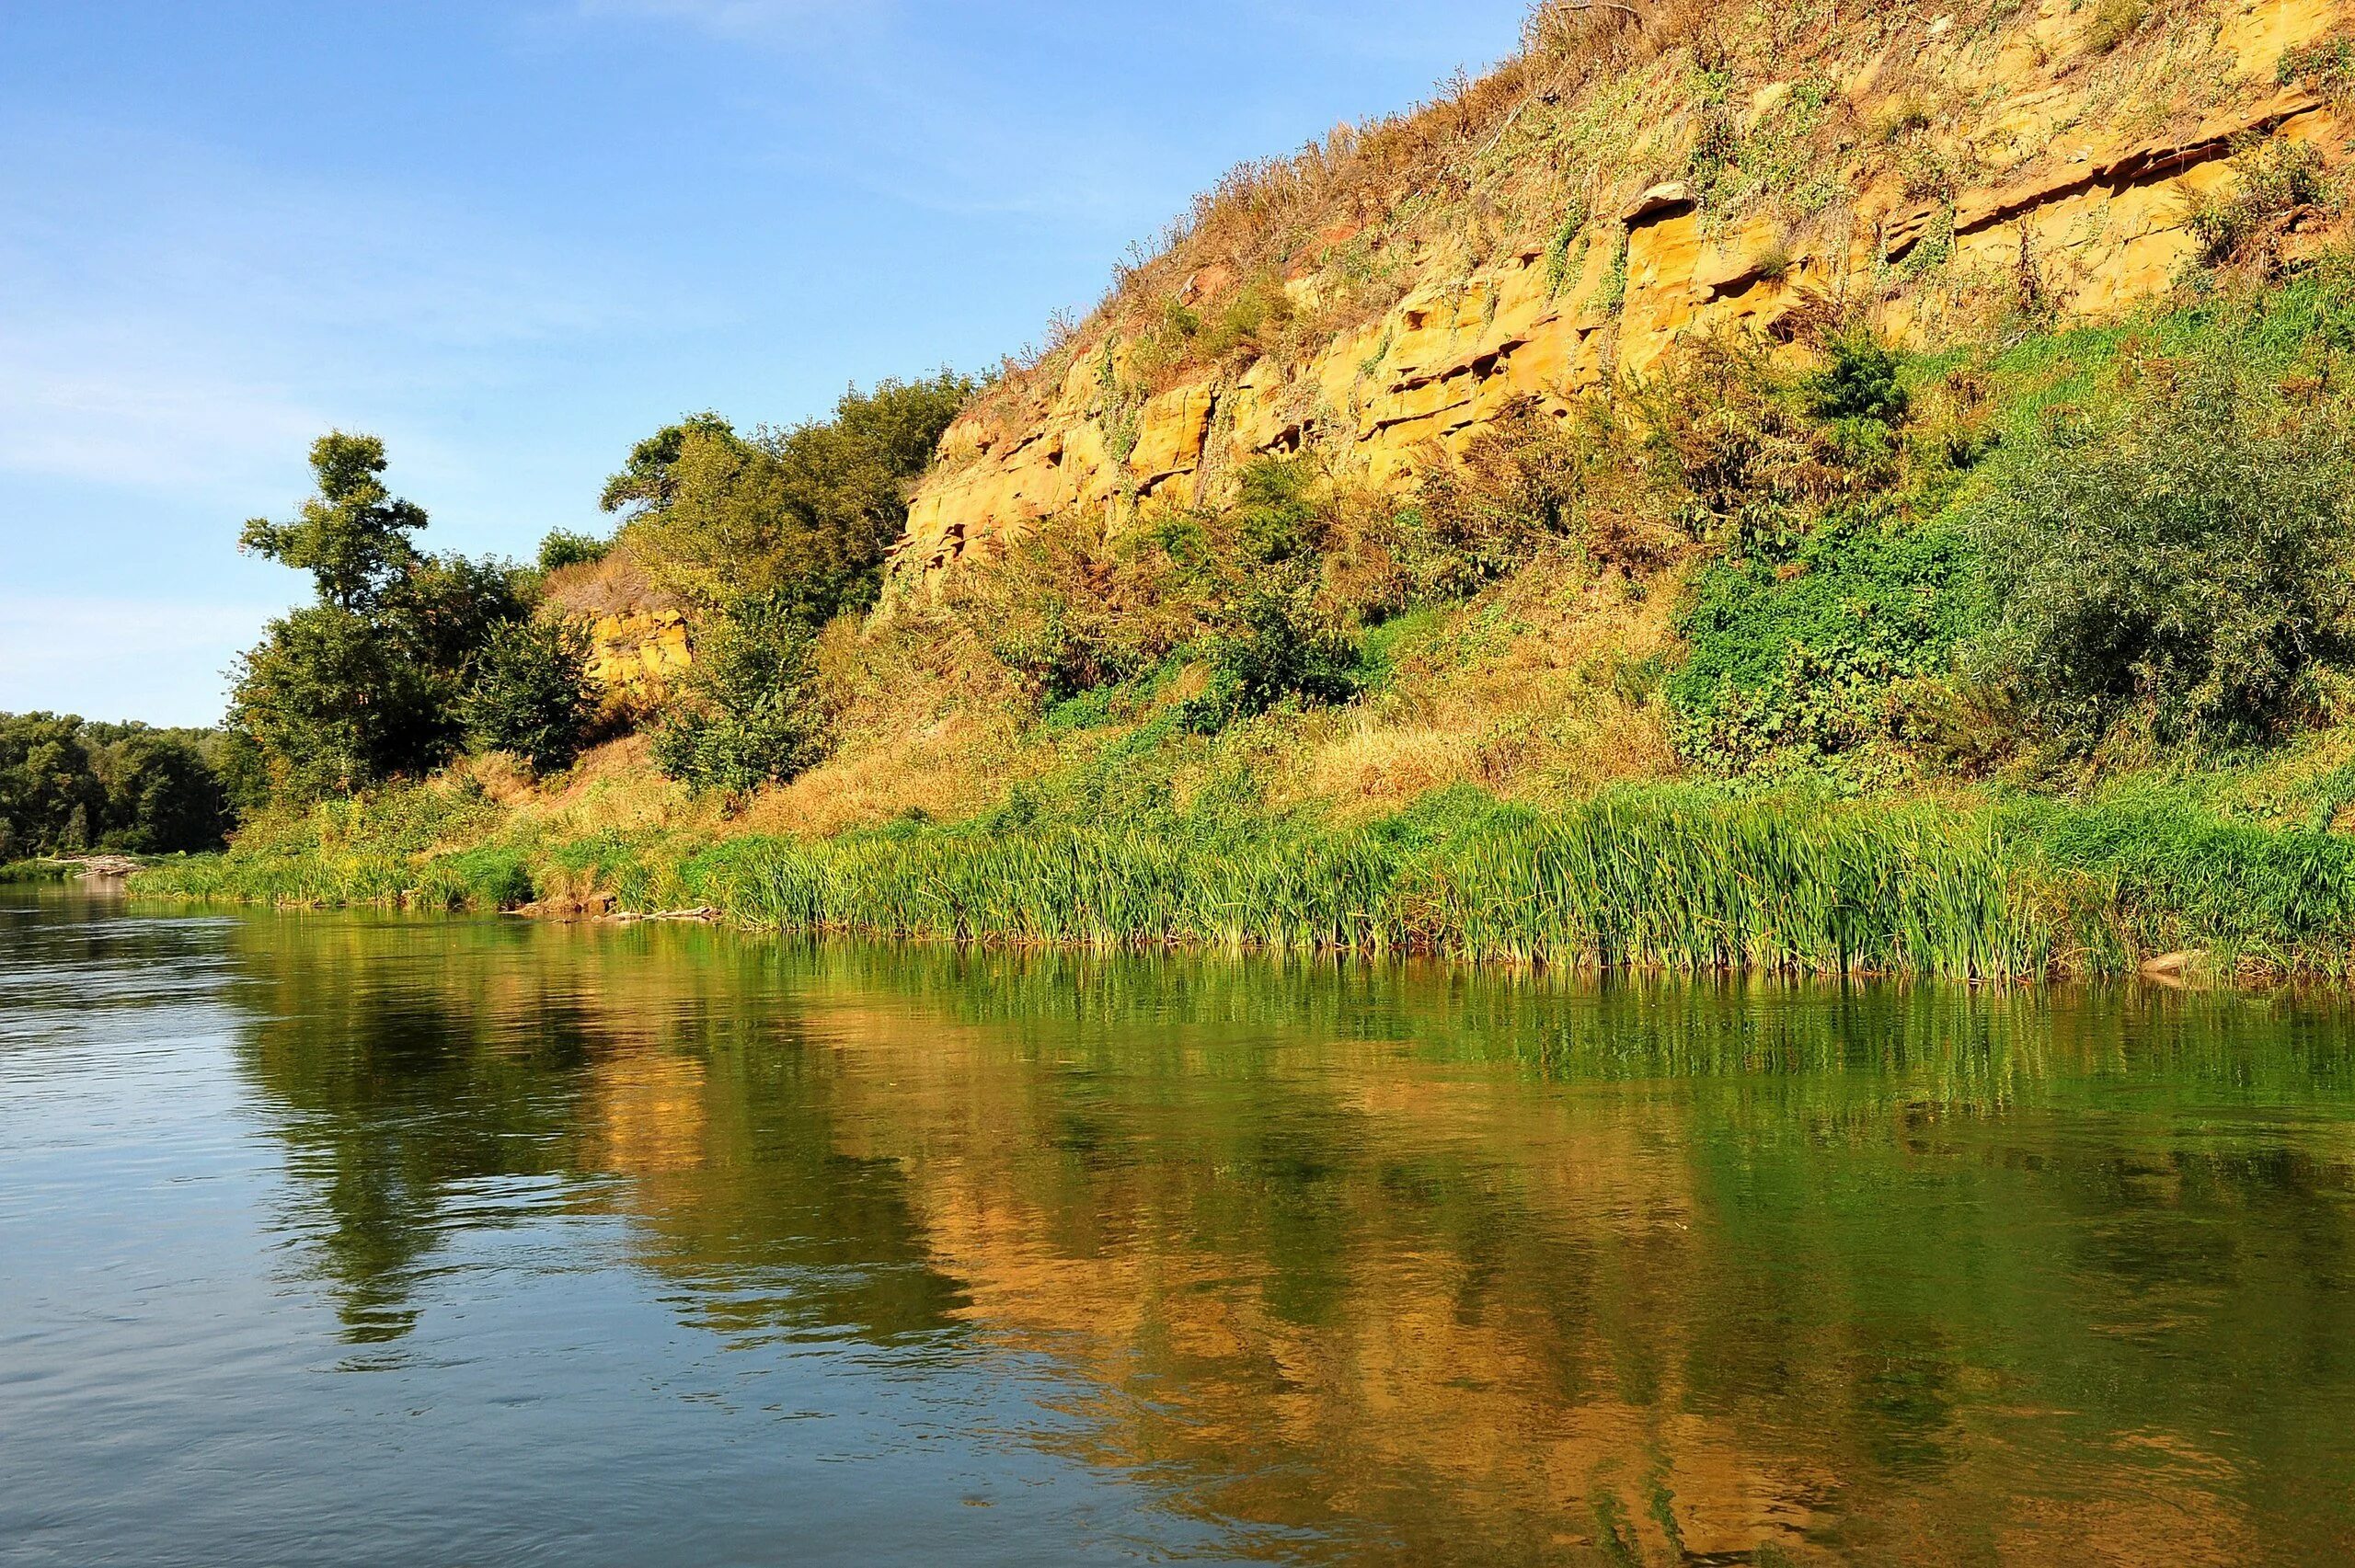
pixel 162 794
pixel 46 779
pixel 646 483
pixel 354 536
pixel 530 692
pixel 806 514
pixel 2178 560
pixel 66 787
pixel 564 548
pixel 329 703
pixel 365 683
pixel 748 714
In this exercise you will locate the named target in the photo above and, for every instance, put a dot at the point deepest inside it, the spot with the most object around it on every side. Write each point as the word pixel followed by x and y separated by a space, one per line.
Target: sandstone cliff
pixel 1631 178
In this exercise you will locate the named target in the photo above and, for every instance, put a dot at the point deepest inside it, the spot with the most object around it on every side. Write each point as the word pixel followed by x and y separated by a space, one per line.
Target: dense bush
pixel 2175 560
pixel 807 513
pixel 529 693
pixel 1250 594
pixel 1859 381
pixel 1266 633
pixel 749 713
pixel 1797 662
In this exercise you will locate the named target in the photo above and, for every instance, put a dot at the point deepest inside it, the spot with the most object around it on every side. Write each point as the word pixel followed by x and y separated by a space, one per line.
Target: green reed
pixel 1663 877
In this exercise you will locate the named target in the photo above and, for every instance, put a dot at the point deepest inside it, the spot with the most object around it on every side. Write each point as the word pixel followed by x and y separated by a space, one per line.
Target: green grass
pixel 1663 877
pixel 23 871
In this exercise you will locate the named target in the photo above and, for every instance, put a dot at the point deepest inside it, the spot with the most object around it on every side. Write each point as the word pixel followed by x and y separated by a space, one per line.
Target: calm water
pixel 348 1240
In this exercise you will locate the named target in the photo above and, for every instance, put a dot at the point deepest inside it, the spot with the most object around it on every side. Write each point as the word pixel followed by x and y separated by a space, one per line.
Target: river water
pixel 339 1238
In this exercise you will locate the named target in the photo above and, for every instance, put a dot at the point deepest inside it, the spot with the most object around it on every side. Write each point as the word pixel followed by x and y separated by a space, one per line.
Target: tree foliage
pixel 749 712
pixel 352 537
pixel 2178 561
pixel 530 692
pixel 806 515
pixel 563 548
pixel 68 786
pixel 367 683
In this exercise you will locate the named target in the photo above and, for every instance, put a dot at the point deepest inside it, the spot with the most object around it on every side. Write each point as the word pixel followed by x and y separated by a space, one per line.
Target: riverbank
pixel 1684 878
pixel 25 871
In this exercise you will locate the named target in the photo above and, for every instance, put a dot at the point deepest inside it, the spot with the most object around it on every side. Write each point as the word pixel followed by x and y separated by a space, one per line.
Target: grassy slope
pixel 1508 785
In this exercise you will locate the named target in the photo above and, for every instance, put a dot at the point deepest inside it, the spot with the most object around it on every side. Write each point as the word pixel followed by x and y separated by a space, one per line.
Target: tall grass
pixel 1656 878
pixel 1663 877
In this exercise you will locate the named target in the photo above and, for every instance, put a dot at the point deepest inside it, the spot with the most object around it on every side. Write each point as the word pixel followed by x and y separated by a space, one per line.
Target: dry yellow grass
pixel 1530 690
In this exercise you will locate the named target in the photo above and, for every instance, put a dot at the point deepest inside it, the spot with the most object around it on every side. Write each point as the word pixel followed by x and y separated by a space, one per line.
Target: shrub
pixel 1530 477
pixel 1251 592
pixel 2112 23
pixel 1731 447
pixel 2279 181
pixel 530 693
pixel 748 713
pixel 1859 381
pixel 1066 611
pixel 2179 558
pixel 2326 65
pixel 564 548
pixel 1793 664
pixel 1246 321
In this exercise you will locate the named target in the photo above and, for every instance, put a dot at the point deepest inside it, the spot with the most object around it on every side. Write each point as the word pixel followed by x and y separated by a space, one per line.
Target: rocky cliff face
pixel 1624 185
pixel 635 655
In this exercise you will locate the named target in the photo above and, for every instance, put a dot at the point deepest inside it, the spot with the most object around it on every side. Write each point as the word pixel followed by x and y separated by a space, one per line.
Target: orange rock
pixel 2102 220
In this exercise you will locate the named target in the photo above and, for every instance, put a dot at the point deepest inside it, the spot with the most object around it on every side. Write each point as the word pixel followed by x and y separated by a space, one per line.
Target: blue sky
pixel 513 235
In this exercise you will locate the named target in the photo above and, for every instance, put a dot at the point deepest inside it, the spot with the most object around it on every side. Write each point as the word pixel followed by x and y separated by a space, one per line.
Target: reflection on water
pixel 1055 1258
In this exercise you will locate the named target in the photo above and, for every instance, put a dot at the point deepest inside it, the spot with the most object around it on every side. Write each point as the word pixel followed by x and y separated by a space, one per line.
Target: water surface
pixel 358 1240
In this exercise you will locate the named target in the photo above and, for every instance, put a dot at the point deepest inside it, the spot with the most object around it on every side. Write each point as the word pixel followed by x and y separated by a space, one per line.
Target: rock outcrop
pixel 2082 169
pixel 634 656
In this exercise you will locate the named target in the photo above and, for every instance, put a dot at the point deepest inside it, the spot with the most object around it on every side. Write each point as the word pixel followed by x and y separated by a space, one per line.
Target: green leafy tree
pixel 646 483
pixel 564 548
pixel 46 779
pixel 2178 562
pixel 807 514
pixel 530 692
pixel 330 702
pixel 354 536
pixel 749 713
pixel 162 794
pixel 366 683
pixel 67 786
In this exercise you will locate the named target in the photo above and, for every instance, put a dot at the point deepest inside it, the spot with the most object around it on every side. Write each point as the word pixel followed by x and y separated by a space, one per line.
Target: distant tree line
pixel 69 787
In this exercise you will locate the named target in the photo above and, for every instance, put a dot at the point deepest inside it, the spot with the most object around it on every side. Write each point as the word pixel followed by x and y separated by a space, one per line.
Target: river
pixel 359 1238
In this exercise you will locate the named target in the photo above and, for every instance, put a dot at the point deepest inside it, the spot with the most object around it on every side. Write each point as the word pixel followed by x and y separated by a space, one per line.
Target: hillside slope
pixel 1865 490
pixel 1625 182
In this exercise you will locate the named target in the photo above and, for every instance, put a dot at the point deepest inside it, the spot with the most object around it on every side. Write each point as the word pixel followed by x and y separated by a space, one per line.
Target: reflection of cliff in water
pixel 1408 1259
